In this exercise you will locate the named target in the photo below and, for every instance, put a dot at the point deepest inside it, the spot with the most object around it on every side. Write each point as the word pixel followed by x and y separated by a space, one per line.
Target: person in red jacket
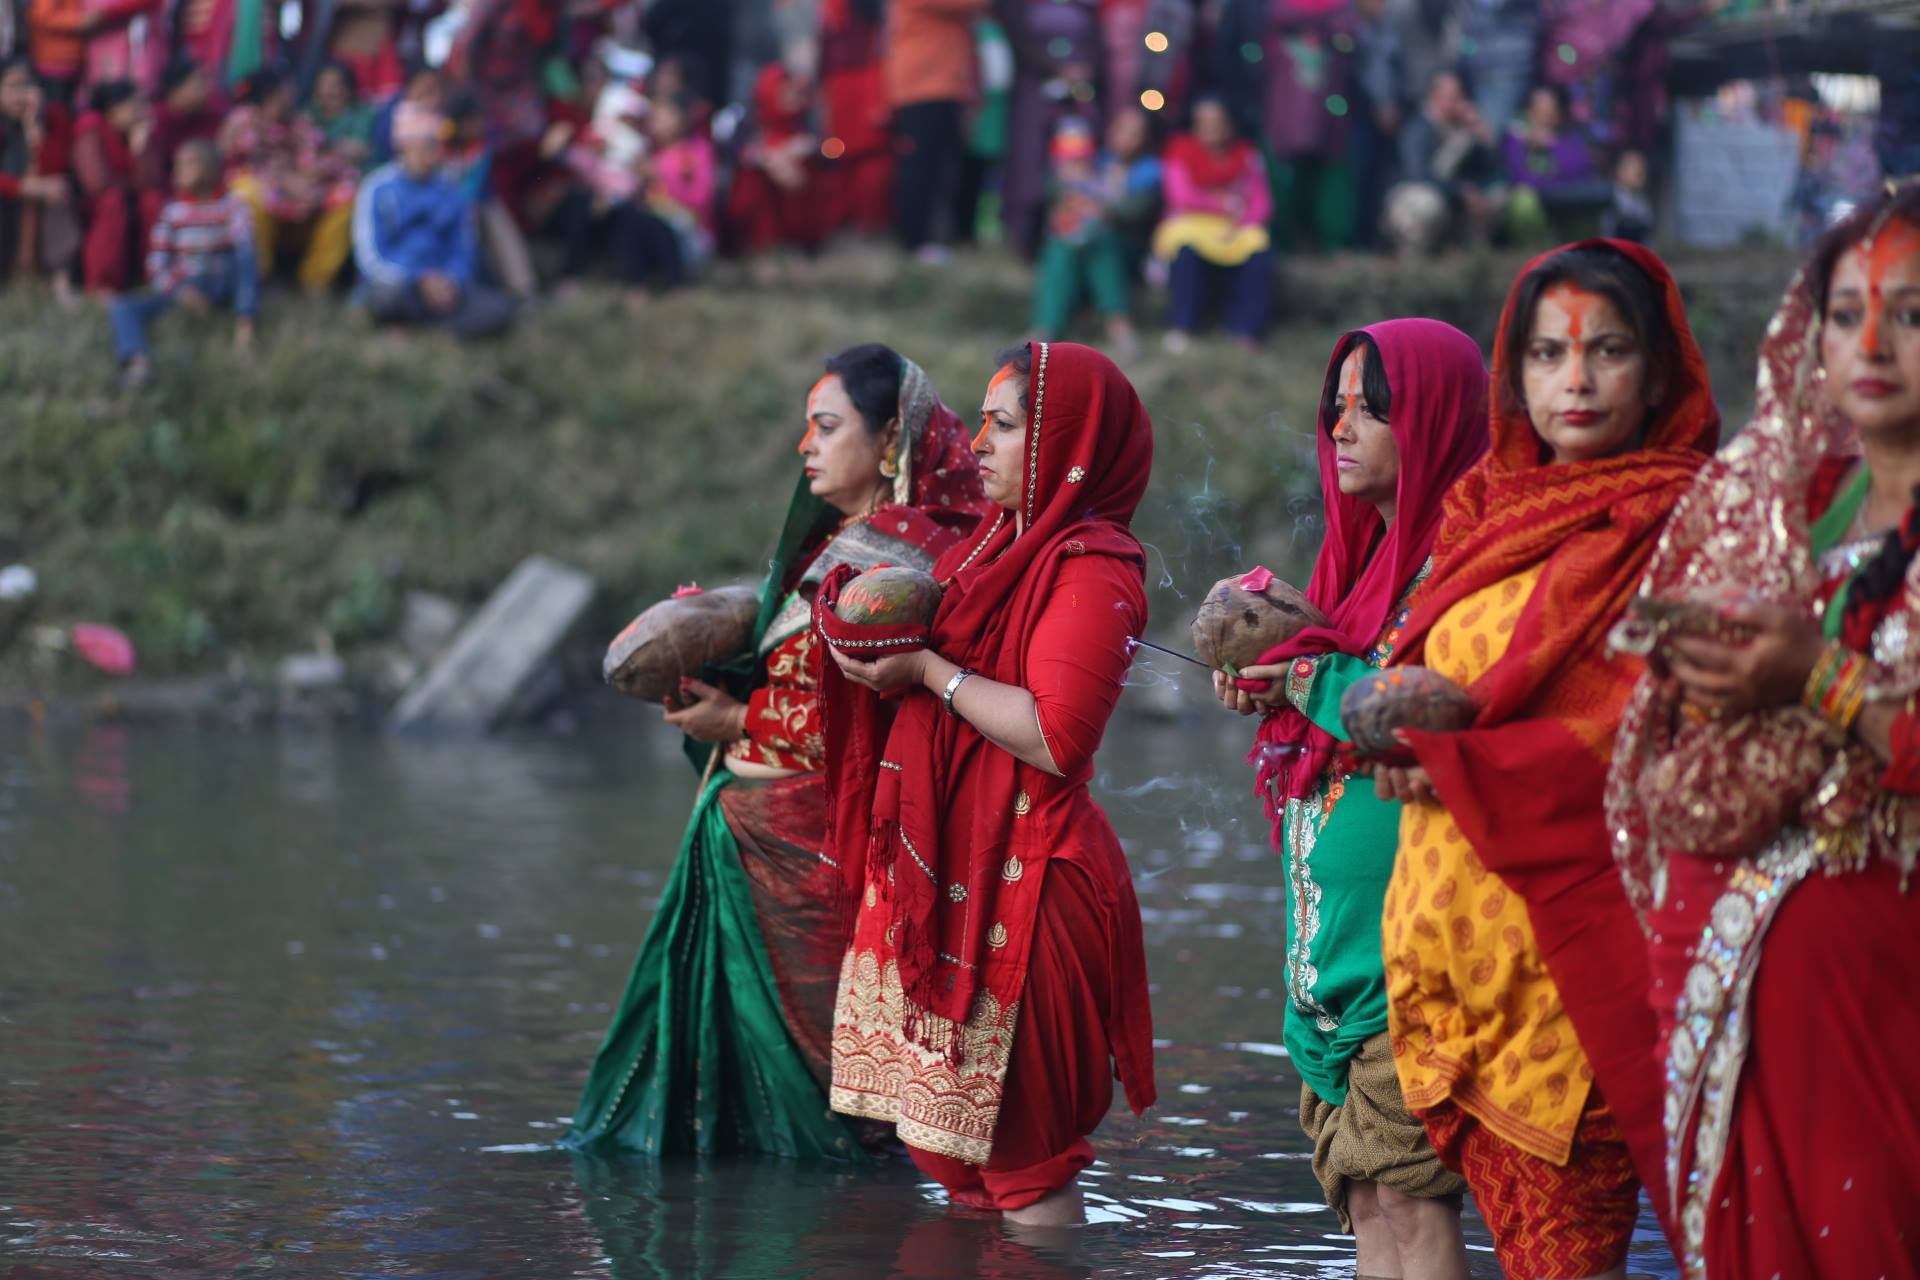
pixel 777 199
pixel 106 143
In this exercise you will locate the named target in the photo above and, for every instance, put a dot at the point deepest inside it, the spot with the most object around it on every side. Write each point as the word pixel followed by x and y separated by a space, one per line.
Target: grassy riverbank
pixel 243 509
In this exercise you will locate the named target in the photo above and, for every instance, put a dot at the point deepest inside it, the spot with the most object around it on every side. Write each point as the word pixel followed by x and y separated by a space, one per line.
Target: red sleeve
pixel 1902 776
pixel 56 143
pixel 90 165
pixel 1078 656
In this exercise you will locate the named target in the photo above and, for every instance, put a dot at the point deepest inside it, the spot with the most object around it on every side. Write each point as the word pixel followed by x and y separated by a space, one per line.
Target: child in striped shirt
pixel 199 256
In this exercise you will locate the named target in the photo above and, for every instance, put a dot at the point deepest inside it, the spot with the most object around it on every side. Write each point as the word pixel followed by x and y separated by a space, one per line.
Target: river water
pixel 318 1005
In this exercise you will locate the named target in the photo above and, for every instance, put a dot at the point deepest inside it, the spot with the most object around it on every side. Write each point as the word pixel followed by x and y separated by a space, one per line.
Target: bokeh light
pixel 1156 42
pixel 1153 100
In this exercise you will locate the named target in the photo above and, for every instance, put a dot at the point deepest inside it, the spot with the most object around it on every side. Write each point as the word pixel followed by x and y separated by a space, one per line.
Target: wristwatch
pixel 953 687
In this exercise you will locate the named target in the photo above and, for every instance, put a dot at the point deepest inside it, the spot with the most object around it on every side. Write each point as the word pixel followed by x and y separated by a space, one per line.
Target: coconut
pixel 678 638
pixel 1402 698
pixel 1245 616
pixel 889 596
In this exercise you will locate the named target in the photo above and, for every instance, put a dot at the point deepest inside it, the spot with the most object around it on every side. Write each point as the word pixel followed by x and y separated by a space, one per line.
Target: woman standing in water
pixel 721 1041
pixel 1403 415
pixel 1516 976
pixel 1766 794
pixel 997 974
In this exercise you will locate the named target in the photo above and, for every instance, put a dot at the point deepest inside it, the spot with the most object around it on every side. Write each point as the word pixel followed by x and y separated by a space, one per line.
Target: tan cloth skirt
pixel 1373 1137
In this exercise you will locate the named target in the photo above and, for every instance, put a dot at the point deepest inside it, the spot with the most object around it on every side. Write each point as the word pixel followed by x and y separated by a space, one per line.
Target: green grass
pixel 240 509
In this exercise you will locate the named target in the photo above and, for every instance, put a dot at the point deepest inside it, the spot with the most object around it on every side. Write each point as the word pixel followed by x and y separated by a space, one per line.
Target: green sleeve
pixel 1333 675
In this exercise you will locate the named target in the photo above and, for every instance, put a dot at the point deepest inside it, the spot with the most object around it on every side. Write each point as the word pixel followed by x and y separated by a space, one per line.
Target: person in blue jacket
pixel 416 240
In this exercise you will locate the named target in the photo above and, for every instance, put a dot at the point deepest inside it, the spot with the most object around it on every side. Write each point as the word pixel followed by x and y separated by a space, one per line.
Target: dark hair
pixel 260 86
pixel 462 105
pixel 11 61
pixel 344 71
pixel 1615 277
pixel 178 72
pixel 1881 577
pixel 1458 73
pixel 1018 358
pixel 1373 381
pixel 871 374
pixel 1557 92
pixel 109 94
pixel 1213 100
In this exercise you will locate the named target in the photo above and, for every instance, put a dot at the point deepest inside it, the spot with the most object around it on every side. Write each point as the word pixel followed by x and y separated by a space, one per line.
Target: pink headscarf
pixel 1439 422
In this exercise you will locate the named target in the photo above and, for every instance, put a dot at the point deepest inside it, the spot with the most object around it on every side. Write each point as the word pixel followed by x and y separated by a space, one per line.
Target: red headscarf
pixel 1525 783
pixel 1439 423
pixel 775 120
pixel 942 812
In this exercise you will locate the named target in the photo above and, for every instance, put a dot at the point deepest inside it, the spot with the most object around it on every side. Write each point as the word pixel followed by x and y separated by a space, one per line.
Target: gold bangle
pixel 1822 676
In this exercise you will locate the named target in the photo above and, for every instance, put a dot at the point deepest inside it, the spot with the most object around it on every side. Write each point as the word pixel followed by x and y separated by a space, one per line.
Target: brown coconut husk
pixel 678 638
pixel 1235 626
pixel 1380 705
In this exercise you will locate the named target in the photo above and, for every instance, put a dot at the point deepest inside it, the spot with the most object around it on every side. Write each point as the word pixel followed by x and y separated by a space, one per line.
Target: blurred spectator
pixel 681 183
pixel 858 145
pixel 344 119
pixel 1379 101
pixel 301 193
pixel 1450 173
pixel 777 199
pixel 199 256
pixel 1558 190
pixel 930 78
pixel 416 242
pixel 1056 66
pixel 1305 115
pixel 1132 167
pixel 38 229
pixel 363 35
pixel 988 133
pixel 232 39
pixel 121 47
pixel 697 37
pixel 1084 251
pixel 607 208
pixel 1214 234
pixel 1499 44
pixel 1589 40
pixel 61 32
pixel 426 88
pixel 106 141
pixel 1630 214
pixel 182 113
pixel 506 255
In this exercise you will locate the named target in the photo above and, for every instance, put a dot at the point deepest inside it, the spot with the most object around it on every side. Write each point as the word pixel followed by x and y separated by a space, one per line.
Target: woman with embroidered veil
pixel 721 1041
pixel 1765 794
pixel 996 982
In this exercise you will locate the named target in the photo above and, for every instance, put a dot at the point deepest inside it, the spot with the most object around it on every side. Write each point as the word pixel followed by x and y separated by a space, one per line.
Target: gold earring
pixel 889 467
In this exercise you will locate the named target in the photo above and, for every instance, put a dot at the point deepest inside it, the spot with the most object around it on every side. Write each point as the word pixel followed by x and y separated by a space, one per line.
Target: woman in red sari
pixel 1766 795
pixel 997 973
pixel 1516 977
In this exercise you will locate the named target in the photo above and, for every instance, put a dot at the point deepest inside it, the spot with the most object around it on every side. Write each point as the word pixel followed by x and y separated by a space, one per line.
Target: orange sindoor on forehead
pixel 1890 246
pixel 1576 302
pixel 813 392
pixel 986 419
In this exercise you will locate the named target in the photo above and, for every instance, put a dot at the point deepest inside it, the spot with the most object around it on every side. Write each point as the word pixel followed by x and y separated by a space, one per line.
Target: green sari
pixel 699 1058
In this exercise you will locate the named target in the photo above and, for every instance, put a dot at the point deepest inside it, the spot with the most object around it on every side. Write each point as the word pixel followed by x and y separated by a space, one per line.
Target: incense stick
pixel 1171 653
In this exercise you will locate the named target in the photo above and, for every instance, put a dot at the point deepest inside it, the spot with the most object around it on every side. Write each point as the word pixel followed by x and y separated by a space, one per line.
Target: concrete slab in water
pixel 506 647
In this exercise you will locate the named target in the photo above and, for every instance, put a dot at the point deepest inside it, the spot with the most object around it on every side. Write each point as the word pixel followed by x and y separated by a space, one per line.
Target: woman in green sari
pixel 721 1043
pixel 1403 415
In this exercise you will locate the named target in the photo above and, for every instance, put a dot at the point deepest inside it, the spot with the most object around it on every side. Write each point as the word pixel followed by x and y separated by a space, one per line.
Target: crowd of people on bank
pixel 1627 927
pixel 1117 145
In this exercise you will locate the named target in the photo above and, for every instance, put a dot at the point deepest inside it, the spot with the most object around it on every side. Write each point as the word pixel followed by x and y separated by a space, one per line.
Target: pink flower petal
pixel 691 589
pixel 106 648
pixel 1258 580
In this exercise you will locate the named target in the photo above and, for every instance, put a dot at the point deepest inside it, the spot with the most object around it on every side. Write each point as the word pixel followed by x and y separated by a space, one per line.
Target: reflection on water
pixel 317 1005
